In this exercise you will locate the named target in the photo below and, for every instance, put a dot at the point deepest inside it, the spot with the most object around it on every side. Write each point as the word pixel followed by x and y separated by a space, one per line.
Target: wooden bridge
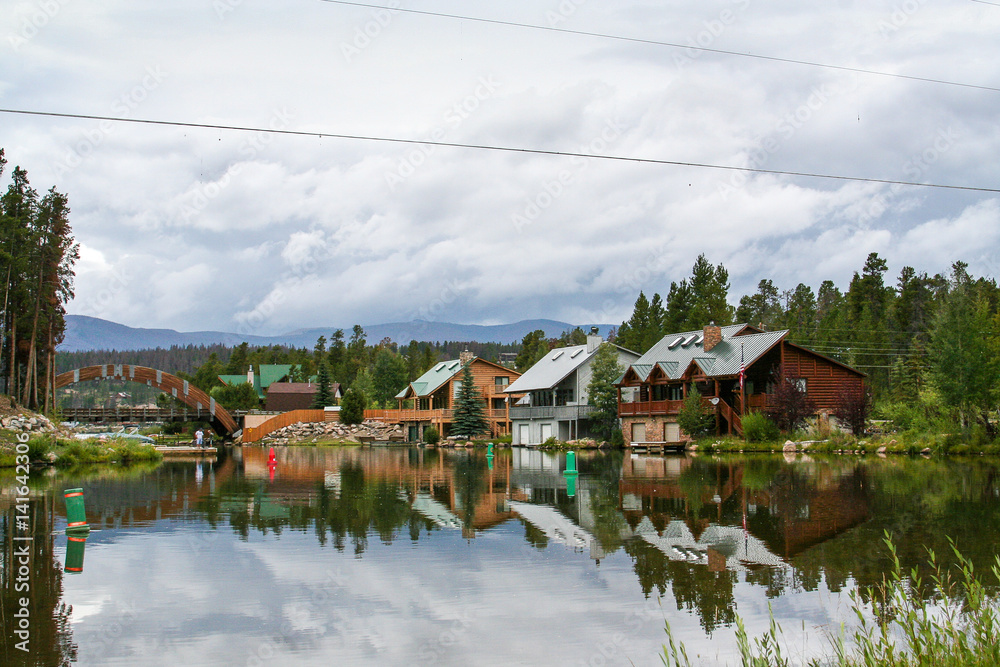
pixel 204 406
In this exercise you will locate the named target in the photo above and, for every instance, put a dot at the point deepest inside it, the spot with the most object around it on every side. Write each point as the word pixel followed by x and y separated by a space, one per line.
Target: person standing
pixel 199 438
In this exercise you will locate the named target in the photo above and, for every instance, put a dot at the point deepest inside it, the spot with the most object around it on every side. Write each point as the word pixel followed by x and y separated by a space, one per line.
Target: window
pixel 501 380
pixel 564 395
pixel 541 398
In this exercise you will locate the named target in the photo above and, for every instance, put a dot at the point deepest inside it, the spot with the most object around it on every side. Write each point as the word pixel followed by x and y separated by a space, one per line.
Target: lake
pixel 410 556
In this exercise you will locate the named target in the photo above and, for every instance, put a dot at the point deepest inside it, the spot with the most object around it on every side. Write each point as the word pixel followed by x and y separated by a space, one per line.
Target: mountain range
pixel 92 333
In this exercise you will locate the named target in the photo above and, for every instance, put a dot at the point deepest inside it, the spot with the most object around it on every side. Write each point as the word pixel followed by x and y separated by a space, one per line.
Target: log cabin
pixel 653 389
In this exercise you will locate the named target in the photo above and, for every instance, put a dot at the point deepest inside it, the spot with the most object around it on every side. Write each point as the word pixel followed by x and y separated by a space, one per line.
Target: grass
pixel 954 625
pixel 114 450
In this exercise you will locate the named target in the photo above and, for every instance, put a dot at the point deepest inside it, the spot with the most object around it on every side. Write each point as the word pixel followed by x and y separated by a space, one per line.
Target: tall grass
pixel 954 626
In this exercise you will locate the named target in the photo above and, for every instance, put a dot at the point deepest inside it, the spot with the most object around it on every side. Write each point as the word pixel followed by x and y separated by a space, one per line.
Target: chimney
pixel 465 356
pixel 594 339
pixel 713 336
pixel 250 375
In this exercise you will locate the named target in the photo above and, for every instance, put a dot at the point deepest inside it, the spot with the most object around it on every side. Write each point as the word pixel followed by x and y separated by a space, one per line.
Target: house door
pixel 523 434
pixel 546 432
pixel 673 432
pixel 638 433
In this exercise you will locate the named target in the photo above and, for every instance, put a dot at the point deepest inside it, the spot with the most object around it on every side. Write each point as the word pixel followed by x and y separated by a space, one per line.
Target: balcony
pixel 650 408
pixel 557 412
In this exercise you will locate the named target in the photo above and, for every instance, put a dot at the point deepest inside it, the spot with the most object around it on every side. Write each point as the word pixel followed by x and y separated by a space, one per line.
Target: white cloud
pixel 326 231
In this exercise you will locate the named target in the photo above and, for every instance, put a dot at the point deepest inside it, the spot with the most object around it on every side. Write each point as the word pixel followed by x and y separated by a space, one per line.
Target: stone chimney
pixel 465 356
pixel 713 336
pixel 594 339
pixel 250 376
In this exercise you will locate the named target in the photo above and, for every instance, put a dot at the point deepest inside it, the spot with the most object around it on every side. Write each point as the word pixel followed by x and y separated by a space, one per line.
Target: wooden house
pixel 653 389
pixel 286 396
pixel 430 399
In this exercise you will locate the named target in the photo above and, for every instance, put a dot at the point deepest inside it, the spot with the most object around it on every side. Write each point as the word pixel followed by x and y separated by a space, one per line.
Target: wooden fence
pixel 256 433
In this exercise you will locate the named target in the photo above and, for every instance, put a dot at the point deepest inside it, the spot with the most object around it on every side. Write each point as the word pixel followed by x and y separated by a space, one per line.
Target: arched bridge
pixel 180 389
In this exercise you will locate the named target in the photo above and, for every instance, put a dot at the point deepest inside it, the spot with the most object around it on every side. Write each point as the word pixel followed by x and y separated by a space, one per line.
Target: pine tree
pixel 601 392
pixel 352 407
pixel 470 408
pixel 324 396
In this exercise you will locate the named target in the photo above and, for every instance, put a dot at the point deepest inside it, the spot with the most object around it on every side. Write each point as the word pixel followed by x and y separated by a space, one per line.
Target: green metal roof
pixel 432 380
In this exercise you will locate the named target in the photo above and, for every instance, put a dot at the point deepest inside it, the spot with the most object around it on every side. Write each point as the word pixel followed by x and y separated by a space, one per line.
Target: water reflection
pixel 700 534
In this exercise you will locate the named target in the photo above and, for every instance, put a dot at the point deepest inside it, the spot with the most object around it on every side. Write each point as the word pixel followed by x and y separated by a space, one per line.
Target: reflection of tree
pixel 469 472
pixel 535 536
pixel 51 640
pixel 604 502
pixel 695 587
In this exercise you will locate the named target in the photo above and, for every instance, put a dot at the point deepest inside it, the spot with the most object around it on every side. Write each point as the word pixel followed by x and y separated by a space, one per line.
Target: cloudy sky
pixel 205 228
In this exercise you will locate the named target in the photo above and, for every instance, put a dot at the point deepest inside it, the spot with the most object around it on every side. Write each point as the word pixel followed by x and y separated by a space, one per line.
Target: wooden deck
pixel 186 450
pixel 659 447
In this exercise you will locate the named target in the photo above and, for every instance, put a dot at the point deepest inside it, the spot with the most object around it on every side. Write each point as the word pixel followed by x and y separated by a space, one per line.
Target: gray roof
pixel 551 369
pixel 675 352
pixel 432 380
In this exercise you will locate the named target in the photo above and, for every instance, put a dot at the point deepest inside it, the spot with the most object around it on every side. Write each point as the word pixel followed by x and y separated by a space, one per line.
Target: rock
pixel 925 450
pixel 883 449
pixel 789 447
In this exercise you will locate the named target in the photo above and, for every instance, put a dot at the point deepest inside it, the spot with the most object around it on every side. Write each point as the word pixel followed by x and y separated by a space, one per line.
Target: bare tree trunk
pixel 31 375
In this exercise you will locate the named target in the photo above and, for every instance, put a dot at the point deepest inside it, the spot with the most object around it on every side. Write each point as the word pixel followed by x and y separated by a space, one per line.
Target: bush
pixel 172 428
pixel 693 418
pixel 617 439
pixel 431 435
pixel 352 407
pixel 758 428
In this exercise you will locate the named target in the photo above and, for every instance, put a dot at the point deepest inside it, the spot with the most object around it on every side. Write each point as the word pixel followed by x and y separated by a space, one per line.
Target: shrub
pixel 693 418
pixel 352 407
pixel 431 435
pixel 617 439
pixel 172 428
pixel 758 427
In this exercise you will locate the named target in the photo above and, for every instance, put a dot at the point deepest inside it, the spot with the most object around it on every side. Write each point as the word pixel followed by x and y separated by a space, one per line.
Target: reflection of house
pixel 556 387
pixel 285 396
pixel 431 397
pixel 557 527
pixel 267 375
pixel 709 361
pixel 718 547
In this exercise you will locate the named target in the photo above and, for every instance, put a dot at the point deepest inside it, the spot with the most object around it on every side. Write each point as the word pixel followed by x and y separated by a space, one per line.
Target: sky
pixel 195 228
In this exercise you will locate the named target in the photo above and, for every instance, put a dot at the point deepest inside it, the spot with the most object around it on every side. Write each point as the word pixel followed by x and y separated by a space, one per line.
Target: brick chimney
pixel 465 356
pixel 713 336
pixel 594 339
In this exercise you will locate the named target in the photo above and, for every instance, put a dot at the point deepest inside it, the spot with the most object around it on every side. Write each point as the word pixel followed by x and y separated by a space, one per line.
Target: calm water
pixel 354 556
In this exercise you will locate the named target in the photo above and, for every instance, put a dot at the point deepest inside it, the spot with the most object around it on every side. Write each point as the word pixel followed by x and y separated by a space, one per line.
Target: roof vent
pixel 439 366
pixel 689 340
pixel 558 354
pixel 675 342
pixel 576 353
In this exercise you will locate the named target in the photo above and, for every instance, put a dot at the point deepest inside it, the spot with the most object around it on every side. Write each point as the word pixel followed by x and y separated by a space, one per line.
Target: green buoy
pixel 76 517
pixel 570 474
pixel 75 546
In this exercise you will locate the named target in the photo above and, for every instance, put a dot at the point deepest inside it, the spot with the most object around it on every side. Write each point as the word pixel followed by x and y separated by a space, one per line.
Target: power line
pixel 983 2
pixel 639 40
pixel 487 147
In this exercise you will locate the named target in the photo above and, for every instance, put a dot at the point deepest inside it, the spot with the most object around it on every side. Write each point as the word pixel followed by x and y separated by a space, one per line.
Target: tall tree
pixel 710 293
pixel 323 396
pixel 965 351
pixel 762 309
pixel 601 392
pixel 389 377
pixel 534 346
pixel 470 408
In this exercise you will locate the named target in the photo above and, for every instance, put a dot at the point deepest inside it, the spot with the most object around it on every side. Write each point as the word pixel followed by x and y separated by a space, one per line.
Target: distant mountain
pixel 92 333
